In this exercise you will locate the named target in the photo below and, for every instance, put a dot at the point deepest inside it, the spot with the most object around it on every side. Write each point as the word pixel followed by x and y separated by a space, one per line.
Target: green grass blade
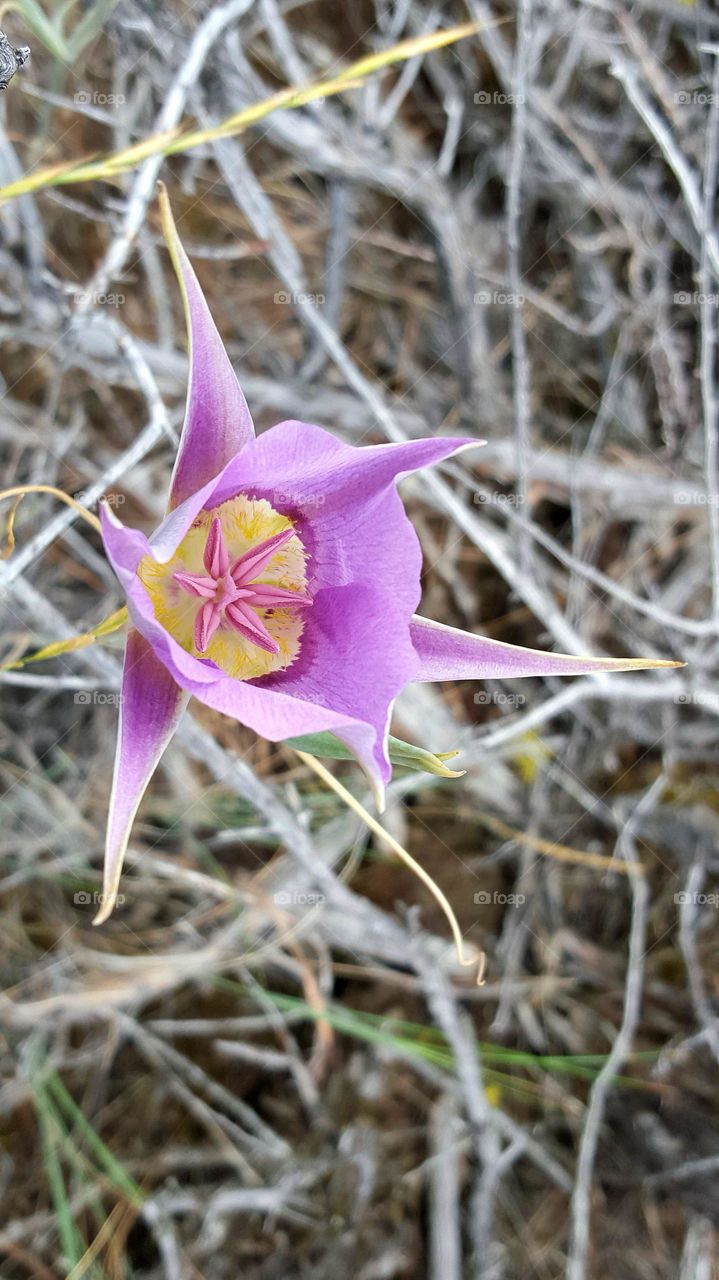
pixel 72 1244
pixel 106 1161
pixel 45 30
pixel 89 26
pixel 429 1043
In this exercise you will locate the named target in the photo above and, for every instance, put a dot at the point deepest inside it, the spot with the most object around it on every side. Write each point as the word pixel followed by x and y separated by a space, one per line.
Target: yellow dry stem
pixel 377 829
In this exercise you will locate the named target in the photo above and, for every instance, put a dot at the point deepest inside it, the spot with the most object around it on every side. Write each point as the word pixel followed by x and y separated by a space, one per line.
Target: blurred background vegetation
pixel 268 1063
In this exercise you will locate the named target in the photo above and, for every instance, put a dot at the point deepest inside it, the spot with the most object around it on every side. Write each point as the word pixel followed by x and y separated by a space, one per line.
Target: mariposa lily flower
pixel 281 587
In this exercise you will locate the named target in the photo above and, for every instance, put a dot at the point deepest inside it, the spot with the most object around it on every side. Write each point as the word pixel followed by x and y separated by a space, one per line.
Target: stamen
pixel 267 596
pixel 254 560
pixel 252 628
pixel 196 584
pixel 241 617
pixel 206 624
pixel 216 557
pixel 229 595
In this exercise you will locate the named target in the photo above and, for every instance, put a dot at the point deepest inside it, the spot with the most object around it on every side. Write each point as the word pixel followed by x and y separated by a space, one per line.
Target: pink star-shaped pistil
pixel 230 594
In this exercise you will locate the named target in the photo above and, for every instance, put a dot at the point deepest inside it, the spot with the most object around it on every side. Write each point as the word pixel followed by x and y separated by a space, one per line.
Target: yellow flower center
pixel 246 522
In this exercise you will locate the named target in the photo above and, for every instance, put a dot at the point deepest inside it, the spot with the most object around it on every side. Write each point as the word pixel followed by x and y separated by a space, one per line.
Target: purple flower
pixel 281 587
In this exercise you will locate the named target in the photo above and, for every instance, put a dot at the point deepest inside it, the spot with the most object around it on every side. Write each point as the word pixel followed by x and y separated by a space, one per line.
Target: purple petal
pixel 125 549
pixel 343 502
pixel 448 654
pixel 150 708
pixel 355 658
pixel 307 468
pixel 365 564
pixel 217 421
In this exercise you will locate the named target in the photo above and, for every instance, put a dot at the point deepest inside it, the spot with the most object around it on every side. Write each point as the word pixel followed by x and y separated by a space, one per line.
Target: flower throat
pixel 235 589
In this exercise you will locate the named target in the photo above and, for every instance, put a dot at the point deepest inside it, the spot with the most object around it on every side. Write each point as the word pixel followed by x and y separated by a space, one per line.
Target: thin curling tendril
pixel 19 490
pixel 378 830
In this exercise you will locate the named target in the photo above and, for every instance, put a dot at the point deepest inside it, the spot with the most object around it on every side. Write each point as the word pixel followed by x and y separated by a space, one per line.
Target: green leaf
pixel 401 753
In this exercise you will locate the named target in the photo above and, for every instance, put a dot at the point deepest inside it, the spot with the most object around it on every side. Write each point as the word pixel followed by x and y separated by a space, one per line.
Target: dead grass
pixel 267 1063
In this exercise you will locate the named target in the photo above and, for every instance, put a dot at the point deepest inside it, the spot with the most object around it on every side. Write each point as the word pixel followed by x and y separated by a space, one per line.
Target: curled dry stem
pixel 377 829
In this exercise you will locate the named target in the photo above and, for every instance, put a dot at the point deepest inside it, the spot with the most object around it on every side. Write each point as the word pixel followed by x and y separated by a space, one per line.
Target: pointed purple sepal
pixel 217 423
pixel 448 654
pixel 150 708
